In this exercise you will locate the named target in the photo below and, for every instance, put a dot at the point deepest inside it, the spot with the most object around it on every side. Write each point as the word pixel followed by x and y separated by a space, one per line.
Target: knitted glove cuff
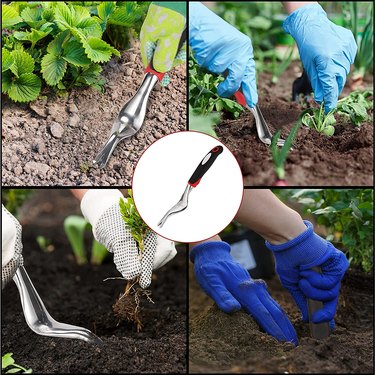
pixel 210 250
pixel 302 16
pixel 307 249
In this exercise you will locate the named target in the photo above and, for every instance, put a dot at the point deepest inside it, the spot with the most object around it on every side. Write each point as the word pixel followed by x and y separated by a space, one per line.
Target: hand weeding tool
pixel 132 114
pixel 194 180
pixel 38 318
pixel 318 330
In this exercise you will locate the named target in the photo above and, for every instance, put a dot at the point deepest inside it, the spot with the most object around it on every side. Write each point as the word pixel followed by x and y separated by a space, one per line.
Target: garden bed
pixel 54 141
pixel 345 159
pixel 220 342
pixel 77 295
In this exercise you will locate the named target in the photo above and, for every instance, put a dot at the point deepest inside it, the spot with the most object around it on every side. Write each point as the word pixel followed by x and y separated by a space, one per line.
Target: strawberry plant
pixel 59 44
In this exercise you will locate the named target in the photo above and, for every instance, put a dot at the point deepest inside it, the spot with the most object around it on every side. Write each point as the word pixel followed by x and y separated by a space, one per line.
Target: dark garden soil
pixel 54 141
pixel 77 295
pixel 220 342
pixel 345 159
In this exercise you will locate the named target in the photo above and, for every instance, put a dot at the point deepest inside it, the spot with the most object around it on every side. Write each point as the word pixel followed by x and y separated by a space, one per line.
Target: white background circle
pixel 162 174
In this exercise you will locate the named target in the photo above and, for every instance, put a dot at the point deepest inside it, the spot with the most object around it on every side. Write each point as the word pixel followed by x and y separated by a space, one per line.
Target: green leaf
pixel 123 16
pixel 63 16
pixel 325 210
pixel 7 360
pixel 74 53
pixel 105 9
pixel 25 88
pixel 55 47
pixel 9 16
pixel 32 36
pixel 90 27
pixel 6 81
pixel 33 17
pixel 329 130
pixel 98 51
pixel 23 63
pixel 53 68
pixel 79 14
pixel 7 60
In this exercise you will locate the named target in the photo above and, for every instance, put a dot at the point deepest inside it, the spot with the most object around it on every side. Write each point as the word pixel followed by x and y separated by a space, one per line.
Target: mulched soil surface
pixel 345 159
pixel 77 295
pixel 54 141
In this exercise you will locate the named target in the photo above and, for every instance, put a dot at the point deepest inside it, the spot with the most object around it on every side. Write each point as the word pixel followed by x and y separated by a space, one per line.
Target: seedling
pixel 279 155
pixel 128 305
pixel 315 118
pixel 8 365
pixel 75 228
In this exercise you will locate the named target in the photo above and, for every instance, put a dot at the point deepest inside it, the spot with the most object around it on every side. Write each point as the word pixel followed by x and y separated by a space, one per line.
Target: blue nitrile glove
pixel 219 47
pixel 294 260
pixel 326 51
pixel 231 287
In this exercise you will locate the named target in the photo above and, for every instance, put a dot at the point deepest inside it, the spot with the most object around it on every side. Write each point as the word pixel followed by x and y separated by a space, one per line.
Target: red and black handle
pixel 205 165
pixel 240 98
pixel 150 68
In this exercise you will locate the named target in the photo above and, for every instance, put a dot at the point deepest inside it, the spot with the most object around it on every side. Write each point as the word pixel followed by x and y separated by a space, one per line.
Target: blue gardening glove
pixel 219 47
pixel 294 260
pixel 231 287
pixel 326 51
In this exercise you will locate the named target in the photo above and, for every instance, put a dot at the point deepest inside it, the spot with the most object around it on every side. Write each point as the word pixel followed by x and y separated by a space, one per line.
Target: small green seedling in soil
pixel 45 244
pixel 128 305
pixel 75 228
pixel 8 366
pixel 279 154
pixel 315 118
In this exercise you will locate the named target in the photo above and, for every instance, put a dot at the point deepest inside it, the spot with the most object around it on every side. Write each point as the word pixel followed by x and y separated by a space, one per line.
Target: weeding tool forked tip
pixel 38 318
pixel 194 180
pixel 263 131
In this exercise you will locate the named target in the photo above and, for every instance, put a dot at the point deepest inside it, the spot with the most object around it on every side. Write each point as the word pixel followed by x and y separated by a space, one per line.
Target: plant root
pixel 128 306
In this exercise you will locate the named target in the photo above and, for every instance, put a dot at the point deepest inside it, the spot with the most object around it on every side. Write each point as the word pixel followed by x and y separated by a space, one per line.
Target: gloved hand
pixel 101 209
pixel 11 246
pixel 294 260
pixel 161 33
pixel 221 48
pixel 326 51
pixel 231 287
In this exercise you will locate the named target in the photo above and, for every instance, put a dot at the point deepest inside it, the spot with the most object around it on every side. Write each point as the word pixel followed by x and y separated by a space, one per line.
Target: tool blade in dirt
pixel 263 131
pixel 320 330
pixel 130 119
pixel 38 318
pixel 193 182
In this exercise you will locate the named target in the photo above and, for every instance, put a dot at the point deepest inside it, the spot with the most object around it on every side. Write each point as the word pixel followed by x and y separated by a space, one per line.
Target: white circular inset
pixel 198 176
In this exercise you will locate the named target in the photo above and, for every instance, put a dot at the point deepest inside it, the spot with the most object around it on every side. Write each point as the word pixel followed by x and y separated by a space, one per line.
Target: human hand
pixel 326 51
pixel 294 262
pixel 222 49
pixel 101 209
pixel 232 288
pixel 160 37
pixel 11 246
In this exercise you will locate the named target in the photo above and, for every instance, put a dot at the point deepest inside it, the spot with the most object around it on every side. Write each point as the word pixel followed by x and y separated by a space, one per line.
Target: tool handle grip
pixel 205 165
pixel 318 330
pixel 150 67
pixel 240 98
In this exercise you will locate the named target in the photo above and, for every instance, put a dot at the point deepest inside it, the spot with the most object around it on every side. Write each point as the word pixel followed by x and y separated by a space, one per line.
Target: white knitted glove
pixel 11 246
pixel 101 209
